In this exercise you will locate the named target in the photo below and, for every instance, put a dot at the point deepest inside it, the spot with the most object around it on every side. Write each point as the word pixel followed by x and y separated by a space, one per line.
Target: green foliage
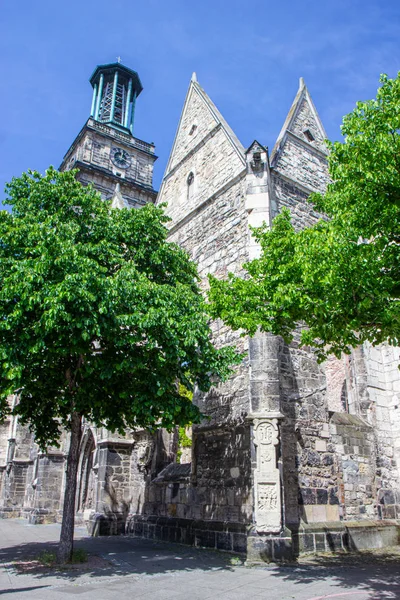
pixel 99 314
pixel 47 558
pixel 184 440
pixel 184 392
pixel 236 561
pixel 340 277
pixel 79 556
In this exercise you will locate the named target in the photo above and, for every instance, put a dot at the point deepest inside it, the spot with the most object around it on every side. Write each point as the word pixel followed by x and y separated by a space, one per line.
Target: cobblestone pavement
pixel 133 568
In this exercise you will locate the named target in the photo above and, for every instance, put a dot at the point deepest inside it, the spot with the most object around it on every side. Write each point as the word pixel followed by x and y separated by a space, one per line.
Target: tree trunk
pixel 64 552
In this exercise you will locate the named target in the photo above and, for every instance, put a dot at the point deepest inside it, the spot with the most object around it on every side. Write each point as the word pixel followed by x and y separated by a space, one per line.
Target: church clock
pixel 120 158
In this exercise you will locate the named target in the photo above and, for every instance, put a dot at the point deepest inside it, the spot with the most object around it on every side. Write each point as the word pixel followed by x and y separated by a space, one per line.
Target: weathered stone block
pixel 322 496
pixel 306 542
pixel 205 538
pixel 333 496
pixel 307 496
pixel 224 541
pixel 320 542
pixel 239 542
pixel 283 549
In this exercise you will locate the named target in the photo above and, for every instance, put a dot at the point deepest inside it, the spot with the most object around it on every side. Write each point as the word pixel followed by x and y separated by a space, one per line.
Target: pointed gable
pixel 301 120
pixel 300 152
pixel 206 156
pixel 196 123
pixel 199 118
pixel 256 147
pixel 117 200
pixel 307 125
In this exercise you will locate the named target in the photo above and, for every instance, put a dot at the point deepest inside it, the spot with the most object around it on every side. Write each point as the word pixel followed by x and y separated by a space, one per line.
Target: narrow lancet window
pixel 309 135
pixel 190 185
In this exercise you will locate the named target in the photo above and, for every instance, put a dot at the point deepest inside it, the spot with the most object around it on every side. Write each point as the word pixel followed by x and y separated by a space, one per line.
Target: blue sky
pixel 248 57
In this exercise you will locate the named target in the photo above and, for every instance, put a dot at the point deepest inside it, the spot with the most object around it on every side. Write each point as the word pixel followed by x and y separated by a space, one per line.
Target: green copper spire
pixel 115 89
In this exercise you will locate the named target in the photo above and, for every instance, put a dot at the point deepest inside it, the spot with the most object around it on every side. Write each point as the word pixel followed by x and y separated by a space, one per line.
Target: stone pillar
pixel 264 373
pixel 265 407
pixel 259 201
pixel 265 541
pixel 267 489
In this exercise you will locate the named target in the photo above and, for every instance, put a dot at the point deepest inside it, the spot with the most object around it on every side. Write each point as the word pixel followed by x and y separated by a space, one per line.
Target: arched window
pixel 190 185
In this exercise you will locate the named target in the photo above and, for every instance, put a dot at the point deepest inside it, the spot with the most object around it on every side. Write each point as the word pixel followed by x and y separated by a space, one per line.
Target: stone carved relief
pixel 266 438
pixel 265 433
pixel 266 476
pixel 267 497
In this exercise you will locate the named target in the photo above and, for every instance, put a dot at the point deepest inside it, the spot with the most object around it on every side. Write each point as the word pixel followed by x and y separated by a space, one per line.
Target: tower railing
pixel 125 137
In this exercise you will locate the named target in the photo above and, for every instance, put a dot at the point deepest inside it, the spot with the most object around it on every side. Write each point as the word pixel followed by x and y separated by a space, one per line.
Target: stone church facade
pixel 294 456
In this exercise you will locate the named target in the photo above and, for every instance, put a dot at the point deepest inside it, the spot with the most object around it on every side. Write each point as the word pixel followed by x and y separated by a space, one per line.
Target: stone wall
pixel 288 194
pixel 383 386
pixel 350 536
pixel 308 463
pixel 303 163
pixel 353 441
pixel 4 435
pixel 92 152
pixel 195 125
pixel 215 486
pixel 214 165
pixel 49 486
pixel 336 373
pixel 134 198
pixel 210 221
pixel 215 238
pixel 94 144
pixel 306 120
pixel 217 535
pixel 17 469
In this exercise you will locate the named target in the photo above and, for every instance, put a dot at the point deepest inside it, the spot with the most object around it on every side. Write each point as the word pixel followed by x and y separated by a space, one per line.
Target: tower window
pixel 189 182
pixel 193 129
pixel 309 135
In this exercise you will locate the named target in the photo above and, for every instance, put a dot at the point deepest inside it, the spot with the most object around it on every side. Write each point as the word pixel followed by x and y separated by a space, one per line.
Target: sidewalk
pixel 143 570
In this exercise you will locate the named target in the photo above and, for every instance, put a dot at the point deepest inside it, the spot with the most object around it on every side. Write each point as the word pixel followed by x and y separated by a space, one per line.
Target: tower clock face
pixel 120 158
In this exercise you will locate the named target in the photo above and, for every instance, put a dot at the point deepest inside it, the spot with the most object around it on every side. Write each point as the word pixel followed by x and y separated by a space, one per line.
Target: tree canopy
pixel 100 317
pixel 97 311
pixel 340 278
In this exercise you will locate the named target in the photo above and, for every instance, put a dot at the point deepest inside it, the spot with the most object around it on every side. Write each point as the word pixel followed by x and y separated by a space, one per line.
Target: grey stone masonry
pixel 317 471
pixel 93 152
pixel 210 220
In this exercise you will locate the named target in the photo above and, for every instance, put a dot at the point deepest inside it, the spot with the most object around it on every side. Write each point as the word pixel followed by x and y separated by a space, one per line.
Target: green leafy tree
pixel 341 277
pixel 100 318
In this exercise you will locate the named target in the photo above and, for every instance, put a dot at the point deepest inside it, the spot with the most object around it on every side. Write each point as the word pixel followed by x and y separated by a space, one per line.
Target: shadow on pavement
pixel 123 555
pixel 376 574
pixel 372 575
pixel 24 589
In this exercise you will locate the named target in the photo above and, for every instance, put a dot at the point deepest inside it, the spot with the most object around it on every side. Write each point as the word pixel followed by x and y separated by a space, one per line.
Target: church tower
pixel 105 151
